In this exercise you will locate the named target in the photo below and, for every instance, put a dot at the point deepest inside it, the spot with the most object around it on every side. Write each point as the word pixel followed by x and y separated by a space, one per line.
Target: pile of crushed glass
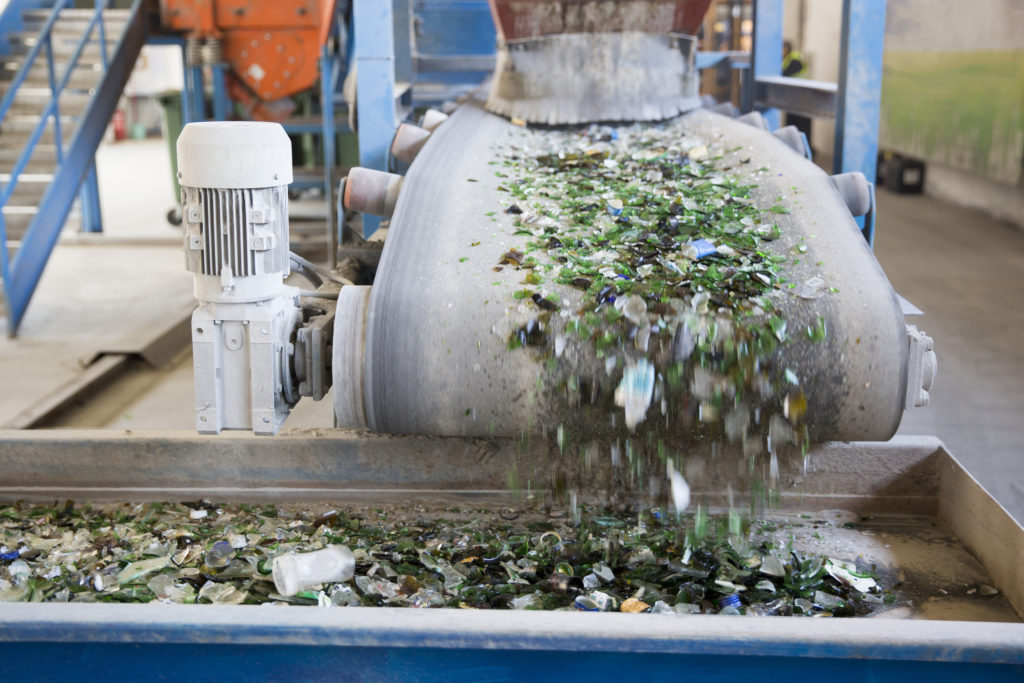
pixel 410 556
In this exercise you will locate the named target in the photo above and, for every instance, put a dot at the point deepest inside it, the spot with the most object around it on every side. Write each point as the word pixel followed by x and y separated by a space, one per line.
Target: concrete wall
pixel 954 84
pixel 969 131
pixel 1001 201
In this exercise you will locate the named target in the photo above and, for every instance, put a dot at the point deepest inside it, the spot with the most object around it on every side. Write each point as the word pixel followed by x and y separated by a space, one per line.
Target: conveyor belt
pixel 434 363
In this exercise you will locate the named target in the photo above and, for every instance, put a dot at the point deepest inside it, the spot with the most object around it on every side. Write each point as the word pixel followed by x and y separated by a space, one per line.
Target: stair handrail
pixel 53 106
pixel 23 272
pixel 22 74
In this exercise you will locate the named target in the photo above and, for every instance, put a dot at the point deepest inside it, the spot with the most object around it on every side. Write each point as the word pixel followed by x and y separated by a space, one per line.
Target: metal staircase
pixel 61 77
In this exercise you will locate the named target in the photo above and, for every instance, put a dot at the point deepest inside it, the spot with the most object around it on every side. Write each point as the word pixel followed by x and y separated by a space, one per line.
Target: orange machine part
pixel 273 63
pixel 272 46
pixel 516 19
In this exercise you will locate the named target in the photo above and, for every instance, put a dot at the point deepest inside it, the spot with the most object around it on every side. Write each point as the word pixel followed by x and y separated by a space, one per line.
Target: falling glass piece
pixel 635 391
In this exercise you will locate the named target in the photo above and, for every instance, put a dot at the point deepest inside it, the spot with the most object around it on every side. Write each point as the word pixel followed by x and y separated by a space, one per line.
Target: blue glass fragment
pixel 585 604
pixel 731 600
pixel 703 247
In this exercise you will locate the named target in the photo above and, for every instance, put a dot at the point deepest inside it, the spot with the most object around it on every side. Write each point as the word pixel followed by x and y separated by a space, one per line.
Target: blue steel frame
pixel 245 643
pixel 12 19
pixel 454 49
pixel 374 61
pixel 76 163
pixel 859 91
pixel 446 31
pixel 196 96
pixel 329 73
pixel 766 55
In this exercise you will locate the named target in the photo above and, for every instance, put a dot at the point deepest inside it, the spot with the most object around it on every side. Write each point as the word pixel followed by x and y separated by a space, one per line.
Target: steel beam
pixel 797 95
pixel 454 62
pixel 734 59
pixel 89 199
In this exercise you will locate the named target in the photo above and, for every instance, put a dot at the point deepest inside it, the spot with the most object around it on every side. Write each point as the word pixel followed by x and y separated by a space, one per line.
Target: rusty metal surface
pixel 271 46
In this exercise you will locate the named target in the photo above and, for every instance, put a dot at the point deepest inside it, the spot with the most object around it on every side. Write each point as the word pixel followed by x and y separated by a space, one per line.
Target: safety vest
pixel 793 54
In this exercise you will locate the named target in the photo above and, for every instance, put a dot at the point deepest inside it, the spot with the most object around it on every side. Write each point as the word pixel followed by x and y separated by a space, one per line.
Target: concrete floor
pixel 966 272
pixel 963 269
pixel 97 293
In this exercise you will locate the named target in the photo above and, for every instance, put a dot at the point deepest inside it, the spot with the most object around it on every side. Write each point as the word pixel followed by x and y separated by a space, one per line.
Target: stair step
pixel 43 160
pixel 63 47
pixel 14 124
pixel 34 100
pixel 27 194
pixel 41 15
pixel 84 77
pixel 18 218
pixel 66 32
pixel 10 138
pixel 67 21
pixel 75 21
pixel 30 188
pixel 45 178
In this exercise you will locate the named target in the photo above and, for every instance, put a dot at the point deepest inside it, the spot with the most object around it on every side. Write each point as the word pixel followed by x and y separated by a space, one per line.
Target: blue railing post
pixel 186 98
pixel 58 139
pixel 766 55
pixel 860 92
pixel 89 199
pixel 327 142
pixel 100 6
pixel 375 87
pixel 4 264
pixel 197 96
pixel 221 101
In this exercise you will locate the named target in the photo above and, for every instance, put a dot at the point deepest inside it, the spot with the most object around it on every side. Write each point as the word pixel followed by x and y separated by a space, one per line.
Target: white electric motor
pixel 234 183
